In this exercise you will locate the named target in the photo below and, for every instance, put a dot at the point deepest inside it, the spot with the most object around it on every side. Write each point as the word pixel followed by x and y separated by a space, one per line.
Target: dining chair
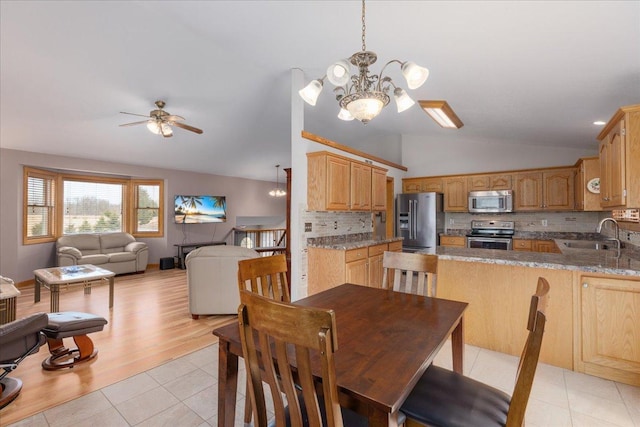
pixel 418 268
pixel 445 398
pixel 266 276
pixel 276 334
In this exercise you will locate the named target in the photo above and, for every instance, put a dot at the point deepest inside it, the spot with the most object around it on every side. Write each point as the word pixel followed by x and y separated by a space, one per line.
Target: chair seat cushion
pixel 444 398
pixel 121 256
pixel 72 323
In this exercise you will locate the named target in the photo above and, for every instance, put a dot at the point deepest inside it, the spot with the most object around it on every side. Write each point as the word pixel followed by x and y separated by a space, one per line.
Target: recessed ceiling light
pixel 599 123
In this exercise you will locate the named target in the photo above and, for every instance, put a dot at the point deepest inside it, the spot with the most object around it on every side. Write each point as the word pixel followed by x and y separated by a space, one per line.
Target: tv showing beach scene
pixel 199 209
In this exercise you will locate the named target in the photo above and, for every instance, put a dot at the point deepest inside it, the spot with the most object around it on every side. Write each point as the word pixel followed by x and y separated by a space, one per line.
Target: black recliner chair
pixel 18 339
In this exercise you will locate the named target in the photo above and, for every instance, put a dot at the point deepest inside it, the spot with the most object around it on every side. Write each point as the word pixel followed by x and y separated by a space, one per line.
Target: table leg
pixel 87 288
pixel 36 290
pixel 111 282
pixel 227 385
pixel 55 298
pixel 457 347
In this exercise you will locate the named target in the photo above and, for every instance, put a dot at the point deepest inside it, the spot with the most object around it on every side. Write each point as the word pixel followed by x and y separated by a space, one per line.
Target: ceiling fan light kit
pixel 363 95
pixel 442 113
pixel 159 121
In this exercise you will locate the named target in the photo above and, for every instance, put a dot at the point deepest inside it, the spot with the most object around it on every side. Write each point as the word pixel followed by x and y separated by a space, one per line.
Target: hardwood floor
pixel 149 325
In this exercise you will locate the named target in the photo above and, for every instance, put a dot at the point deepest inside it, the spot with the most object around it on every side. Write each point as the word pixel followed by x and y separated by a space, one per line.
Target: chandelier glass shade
pixel 362 95
pixel 277 192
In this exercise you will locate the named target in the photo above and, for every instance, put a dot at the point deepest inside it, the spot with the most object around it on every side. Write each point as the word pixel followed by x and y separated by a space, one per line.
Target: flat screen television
pixel 199 209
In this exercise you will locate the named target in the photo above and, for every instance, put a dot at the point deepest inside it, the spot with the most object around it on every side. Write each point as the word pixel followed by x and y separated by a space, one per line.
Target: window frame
pixel 51 178
pixel 130 188
pixel 135 209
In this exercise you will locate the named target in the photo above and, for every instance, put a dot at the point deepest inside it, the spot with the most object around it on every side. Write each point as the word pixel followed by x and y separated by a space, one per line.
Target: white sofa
pixel 212 277
pixel 117 252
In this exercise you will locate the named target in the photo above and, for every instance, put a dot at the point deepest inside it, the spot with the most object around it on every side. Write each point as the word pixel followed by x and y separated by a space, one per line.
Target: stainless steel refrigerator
pixel 419 220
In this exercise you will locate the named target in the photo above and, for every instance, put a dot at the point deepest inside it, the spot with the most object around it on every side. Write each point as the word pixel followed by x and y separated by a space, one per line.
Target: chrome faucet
pixel 616 230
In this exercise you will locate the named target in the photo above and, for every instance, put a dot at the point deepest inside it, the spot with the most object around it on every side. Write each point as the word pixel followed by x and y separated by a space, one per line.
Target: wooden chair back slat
pixel 288 333
pixel 530 354
pixel 266 276
pixel 420 272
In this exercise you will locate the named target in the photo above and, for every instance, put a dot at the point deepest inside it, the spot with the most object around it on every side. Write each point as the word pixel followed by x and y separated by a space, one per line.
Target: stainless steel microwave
pixel 491 201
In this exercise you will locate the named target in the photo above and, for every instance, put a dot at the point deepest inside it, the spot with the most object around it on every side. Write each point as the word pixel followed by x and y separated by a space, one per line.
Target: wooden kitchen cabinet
pixel 328 182
pixel 422 185
pixel 523 245
pixel 587 169
pixel 533 245
pixel 360 194
pixel 378 189
pixel 489 182
pixel 336 183
pixel 619 159
pixel 456 241
pixel 609 328
pixel 456 197
pixel 548 189
pixel 328 268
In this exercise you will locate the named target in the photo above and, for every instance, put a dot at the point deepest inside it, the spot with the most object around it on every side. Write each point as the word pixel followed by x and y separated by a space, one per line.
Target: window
pixel 92 206
pixel 39 201
pixel 89 204
pixel 147 215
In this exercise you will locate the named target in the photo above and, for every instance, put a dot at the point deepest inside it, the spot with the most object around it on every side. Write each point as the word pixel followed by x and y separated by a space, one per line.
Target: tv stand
pixel 185 248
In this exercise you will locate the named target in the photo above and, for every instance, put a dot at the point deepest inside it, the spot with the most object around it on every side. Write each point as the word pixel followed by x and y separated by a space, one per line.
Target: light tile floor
pixel 184 392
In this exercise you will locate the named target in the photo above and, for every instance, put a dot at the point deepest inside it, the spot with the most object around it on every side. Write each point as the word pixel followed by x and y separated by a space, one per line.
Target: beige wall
pixel 244 198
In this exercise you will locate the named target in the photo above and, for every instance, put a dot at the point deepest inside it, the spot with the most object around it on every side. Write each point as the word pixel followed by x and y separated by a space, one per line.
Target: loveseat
pixel 212 278
pixel 117 252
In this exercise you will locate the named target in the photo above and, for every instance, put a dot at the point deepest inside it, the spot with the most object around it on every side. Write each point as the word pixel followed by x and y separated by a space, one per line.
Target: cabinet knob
pixel 585 285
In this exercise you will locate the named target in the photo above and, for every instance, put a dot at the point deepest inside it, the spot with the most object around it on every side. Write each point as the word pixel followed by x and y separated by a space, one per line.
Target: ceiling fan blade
pixel 134 114
pixel 135 123
pixel 187 127
pixel 172 118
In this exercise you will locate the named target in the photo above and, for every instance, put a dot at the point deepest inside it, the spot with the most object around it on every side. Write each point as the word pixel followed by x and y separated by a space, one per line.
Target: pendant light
pixel 277 192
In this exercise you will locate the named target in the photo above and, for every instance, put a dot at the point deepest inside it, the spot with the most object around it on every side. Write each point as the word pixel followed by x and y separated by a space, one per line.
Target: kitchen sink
pixel 586 244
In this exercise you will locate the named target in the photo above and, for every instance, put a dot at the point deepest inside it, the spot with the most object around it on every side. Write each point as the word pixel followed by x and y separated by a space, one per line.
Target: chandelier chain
pixel 364 27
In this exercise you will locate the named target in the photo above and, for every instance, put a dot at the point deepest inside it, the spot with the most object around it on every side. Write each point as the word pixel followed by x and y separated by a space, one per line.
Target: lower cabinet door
pixel 375 271
pixel 610 332
pixel 356 272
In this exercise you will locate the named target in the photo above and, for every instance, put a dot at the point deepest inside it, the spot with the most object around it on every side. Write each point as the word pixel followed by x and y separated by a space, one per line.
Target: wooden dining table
pixel 386 340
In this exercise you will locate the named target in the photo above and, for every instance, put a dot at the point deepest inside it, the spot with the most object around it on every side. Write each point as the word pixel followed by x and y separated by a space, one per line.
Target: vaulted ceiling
pixel 535 72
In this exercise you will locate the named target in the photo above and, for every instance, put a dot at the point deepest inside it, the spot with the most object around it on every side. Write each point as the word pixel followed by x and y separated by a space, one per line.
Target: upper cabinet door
pixel 528 191
pixel 360 187
pixel 456 197
pixel 558 193
pixel 378 189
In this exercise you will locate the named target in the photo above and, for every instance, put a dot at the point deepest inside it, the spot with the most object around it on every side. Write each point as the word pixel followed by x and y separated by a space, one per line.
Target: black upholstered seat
pixel 18 339
pixel 447 399
pixel 444 398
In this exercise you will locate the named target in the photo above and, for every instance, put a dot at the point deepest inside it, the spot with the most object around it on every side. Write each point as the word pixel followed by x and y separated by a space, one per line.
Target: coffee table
pixel 60 277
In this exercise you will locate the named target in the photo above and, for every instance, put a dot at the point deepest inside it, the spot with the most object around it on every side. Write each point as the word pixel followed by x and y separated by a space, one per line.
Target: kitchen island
pixel 593 324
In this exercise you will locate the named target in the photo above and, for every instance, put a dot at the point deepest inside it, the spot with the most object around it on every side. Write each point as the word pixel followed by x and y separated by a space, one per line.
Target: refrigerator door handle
pixel 415 219
pixel 410 219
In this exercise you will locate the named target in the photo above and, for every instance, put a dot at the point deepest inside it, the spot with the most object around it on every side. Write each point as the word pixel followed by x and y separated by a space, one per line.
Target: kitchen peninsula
pixel 593 306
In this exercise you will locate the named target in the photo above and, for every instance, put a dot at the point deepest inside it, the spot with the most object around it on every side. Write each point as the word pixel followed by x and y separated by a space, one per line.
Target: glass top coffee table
pixel 59 277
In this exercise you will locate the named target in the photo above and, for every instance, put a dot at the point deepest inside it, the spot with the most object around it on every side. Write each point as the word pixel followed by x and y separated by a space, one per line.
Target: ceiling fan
pixel 160 122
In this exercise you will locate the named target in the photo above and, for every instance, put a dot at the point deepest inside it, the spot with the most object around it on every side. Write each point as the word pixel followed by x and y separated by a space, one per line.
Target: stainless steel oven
pixel 491 235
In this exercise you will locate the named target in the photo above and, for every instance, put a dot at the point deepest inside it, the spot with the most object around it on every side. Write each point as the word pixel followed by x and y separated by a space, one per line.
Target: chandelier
pixel 277 192
pixel 363 95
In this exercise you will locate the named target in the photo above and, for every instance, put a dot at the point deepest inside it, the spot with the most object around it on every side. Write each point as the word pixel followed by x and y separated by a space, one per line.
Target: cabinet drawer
pixel 355 254
pixel 395 246
pixel 519 244
pixel 453 241
pixel 378 249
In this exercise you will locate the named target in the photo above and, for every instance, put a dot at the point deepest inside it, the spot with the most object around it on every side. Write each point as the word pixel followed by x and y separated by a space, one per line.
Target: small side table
pixel 8 303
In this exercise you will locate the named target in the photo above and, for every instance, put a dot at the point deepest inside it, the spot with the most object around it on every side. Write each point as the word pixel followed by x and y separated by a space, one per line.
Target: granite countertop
pixel 352 244
pixel 594 261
